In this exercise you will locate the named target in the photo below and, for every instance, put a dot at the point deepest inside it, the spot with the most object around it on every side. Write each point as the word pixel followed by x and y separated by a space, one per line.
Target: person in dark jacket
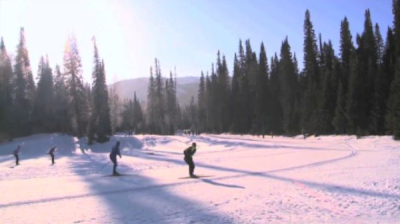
pixel 189 152
pixel 16 154
pixel 113 157
pixel 51 153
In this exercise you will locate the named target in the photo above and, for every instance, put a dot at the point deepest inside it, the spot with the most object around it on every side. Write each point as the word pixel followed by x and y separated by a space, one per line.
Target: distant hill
pixel 186 88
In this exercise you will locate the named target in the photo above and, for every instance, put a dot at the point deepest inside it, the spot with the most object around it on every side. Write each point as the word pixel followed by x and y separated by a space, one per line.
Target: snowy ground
pixel 252 180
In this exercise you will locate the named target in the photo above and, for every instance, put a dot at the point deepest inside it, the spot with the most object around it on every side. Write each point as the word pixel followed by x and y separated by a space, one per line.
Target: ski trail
pixel 244 173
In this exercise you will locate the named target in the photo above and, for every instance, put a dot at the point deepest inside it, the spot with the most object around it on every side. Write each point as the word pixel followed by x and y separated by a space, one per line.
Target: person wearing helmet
pixel 189 152
pixel 113 157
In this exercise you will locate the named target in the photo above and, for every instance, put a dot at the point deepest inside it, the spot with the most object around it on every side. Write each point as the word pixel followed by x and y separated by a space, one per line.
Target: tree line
pixel 354 92
pixel 60 102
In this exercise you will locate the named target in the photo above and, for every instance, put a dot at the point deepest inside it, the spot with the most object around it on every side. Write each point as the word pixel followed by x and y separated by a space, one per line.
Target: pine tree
pixel 5 92
pixel 310 117
pixel 171 102
pixel 310 51
pixel 331 72
pixel 156 108
pixel 222 92
pixel 151 104
pixel 202 104
pixel 355 109
pixel 128 116
pixel 114 104
pixel 60 102
pixel 101 109
pixel 77 97
pixel 193 115
pixel 261 94
pixel 388 71
pixel 339 121
pixel 160 100
pixel 380 96
pixel 212 95
pixel 275 106
pixel 393 116
pixel 91 127
pixel 138 119
pixel 367 62
pixel 396 25
pixel 346 49
pixel 24 90
pixel 43 113
pixel 236 116
pixel 208 104
pixel 289 83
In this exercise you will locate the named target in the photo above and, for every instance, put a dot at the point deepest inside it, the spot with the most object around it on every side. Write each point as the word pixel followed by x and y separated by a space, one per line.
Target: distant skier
pixel 113 157
pixel 189 152
pixel 16 154
pixel 51 153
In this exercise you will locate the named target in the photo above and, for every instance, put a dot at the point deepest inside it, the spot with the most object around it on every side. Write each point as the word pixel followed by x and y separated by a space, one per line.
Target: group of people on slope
pixel 189 152
pixel 18 149
pixel 115 151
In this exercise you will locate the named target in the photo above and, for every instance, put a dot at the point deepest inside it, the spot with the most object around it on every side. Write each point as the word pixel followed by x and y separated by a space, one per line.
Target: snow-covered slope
pixel 332 179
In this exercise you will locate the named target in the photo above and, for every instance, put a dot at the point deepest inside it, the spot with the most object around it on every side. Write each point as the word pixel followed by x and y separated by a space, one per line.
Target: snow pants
pixel 114 161
pixel 16 159
pixel 52 158
pixel 189 161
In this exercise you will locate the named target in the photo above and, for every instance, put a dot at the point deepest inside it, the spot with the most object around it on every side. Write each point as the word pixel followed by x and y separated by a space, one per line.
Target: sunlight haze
pixel 181 34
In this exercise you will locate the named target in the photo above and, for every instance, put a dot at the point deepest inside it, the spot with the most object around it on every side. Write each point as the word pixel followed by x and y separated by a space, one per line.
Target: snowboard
pixel 196 177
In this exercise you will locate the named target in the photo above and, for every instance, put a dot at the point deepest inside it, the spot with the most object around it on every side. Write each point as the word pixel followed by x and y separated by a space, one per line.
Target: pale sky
pixel 185 34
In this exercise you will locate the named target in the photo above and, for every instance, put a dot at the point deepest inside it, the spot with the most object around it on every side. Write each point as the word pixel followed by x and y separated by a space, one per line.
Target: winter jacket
pixel 189 152
pixel 115 151
pixel 16 151
pixel 52 150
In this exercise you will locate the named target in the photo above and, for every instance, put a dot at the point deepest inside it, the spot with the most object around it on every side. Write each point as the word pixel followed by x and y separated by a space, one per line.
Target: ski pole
pixel 103 167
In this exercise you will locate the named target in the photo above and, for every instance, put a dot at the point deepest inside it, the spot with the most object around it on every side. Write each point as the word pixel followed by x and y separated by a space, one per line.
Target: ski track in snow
pixel 254 180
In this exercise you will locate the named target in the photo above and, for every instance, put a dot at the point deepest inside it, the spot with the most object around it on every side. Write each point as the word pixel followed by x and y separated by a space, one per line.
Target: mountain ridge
pixel 186 88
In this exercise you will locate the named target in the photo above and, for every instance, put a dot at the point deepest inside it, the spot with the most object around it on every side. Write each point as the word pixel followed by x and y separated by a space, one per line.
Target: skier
pixel 189 152
pixel 16 152
pixel 51 153
pixel 113 157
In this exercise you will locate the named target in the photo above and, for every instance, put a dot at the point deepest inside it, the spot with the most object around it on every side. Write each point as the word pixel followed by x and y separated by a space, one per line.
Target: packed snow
pixel 330 179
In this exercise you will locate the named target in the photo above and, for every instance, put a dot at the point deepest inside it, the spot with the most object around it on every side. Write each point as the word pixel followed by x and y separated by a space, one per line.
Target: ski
pixel 120 175
pixel 196 177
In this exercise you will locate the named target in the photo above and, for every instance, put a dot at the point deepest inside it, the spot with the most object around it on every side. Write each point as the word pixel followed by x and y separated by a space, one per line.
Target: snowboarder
pixel 51 153
pixel 113 157
pixel 16 152
pixel 189 152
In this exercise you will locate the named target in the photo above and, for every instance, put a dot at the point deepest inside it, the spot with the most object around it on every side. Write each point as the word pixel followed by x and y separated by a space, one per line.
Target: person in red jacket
pixel 16 155
pixel 51 153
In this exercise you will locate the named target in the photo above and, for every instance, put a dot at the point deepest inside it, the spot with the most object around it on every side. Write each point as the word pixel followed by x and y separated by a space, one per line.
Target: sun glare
pixel 48 23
